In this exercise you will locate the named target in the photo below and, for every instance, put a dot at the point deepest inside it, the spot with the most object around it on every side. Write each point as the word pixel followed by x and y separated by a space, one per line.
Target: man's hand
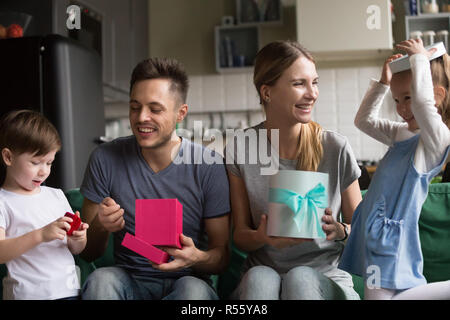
pixel 185 257
pixel 110 215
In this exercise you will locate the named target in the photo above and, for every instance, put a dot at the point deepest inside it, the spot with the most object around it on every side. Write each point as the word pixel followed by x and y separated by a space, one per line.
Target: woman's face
pixel 295 92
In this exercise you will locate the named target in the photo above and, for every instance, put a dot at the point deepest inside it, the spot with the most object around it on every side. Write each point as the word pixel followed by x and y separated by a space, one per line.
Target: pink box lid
pixel 144 249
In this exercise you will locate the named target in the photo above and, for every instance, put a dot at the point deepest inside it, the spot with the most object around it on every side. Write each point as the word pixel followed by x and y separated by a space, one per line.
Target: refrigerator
pixel 62 79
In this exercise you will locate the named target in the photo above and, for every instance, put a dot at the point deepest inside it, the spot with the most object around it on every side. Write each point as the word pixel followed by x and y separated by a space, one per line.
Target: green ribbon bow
pixel 304 208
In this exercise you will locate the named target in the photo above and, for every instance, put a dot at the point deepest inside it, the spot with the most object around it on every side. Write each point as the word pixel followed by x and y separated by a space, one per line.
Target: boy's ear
pixel 7 156
pixel 439 94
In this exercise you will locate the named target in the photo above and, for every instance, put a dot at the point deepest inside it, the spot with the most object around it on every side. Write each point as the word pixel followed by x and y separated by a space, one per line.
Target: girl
pixel 286 80
pixel 32 224
pixel 384 246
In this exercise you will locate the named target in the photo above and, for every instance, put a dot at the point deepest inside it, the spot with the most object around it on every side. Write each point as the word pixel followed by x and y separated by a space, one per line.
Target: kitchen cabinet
pixel 345 29
pixel 259 11
pixel 124 39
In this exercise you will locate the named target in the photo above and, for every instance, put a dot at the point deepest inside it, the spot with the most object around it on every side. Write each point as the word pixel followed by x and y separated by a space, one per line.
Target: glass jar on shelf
pixel 429 6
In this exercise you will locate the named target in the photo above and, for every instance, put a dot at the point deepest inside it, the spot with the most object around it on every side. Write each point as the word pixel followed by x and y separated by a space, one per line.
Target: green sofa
pixel 434 226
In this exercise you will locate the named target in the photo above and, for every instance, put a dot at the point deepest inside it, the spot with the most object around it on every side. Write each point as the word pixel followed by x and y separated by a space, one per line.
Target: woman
pixel 287 83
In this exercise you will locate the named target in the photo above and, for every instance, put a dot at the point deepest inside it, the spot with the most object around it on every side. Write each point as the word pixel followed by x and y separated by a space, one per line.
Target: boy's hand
pixel 110 215
pixel 414 46
pixel 56 230
pixel 386 74
pixel 80 234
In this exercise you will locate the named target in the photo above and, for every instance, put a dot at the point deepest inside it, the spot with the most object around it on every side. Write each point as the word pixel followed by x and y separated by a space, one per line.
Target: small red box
pixel 75 223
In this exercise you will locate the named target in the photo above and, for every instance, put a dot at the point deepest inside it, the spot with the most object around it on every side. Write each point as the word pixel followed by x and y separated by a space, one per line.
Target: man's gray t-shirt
pixel 338 161
pixel 118 170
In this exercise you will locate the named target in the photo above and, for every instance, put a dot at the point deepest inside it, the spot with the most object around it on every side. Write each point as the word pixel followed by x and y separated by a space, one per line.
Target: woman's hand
pixel 333 229
pixel 276 242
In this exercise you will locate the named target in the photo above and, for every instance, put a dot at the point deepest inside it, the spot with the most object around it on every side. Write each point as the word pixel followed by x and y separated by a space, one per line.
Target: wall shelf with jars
pixel 429 20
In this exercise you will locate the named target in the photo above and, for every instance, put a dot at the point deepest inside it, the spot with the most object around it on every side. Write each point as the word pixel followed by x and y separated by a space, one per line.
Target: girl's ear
pixel 7 156
pixel 439 94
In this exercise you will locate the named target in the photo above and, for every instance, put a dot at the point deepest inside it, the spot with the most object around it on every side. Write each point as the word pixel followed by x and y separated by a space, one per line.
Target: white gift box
pixel 402 63
pixel 297 202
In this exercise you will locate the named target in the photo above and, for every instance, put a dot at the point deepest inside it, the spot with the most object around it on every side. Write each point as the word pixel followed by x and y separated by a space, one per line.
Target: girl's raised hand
pixel 414 46
pixel 386 74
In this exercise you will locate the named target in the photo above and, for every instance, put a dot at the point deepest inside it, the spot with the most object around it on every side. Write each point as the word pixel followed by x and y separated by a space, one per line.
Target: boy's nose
pixel 43 171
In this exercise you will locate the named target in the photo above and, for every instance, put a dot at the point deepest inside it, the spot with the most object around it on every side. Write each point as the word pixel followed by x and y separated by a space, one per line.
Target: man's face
pixel 153 112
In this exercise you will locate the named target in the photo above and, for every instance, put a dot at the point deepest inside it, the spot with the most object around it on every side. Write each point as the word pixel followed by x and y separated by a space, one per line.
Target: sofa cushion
pixel 434 228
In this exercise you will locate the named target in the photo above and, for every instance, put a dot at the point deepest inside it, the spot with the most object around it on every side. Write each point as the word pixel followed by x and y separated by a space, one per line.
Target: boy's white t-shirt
pixel 48 270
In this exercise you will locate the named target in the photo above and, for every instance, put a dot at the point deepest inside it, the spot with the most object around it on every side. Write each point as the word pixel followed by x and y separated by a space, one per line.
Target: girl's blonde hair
pixel 440 73
pixel 270 62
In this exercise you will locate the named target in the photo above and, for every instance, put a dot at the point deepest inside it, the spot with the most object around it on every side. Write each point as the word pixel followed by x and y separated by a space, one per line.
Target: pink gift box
pixel 159 221
pixel 144 249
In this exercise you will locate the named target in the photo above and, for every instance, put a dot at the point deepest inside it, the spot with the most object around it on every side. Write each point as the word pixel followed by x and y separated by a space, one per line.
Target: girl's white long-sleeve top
pixel 434 134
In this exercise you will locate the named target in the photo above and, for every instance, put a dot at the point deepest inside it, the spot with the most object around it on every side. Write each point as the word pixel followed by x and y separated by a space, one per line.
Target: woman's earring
pixel 267 99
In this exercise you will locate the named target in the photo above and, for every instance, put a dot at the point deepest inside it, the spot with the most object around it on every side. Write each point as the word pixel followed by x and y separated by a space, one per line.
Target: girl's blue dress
pixel 384 240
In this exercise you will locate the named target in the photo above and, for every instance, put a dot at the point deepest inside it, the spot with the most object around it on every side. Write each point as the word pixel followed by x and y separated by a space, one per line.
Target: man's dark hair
pixel 162 68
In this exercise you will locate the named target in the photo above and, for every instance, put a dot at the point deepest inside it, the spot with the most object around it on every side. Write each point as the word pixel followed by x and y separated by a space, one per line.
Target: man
pixel 147 165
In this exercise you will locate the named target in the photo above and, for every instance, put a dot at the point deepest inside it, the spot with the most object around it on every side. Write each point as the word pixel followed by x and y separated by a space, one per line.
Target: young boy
pixel 33 228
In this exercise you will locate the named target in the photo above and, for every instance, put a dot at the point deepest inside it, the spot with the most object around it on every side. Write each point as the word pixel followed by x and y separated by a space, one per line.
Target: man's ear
pixel 439 94
pixel 7 156
pixel 182 112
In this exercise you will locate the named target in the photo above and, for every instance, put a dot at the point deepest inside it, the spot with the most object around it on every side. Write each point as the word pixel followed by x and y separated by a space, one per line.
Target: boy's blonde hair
pixel 440 73
pixel 270 62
